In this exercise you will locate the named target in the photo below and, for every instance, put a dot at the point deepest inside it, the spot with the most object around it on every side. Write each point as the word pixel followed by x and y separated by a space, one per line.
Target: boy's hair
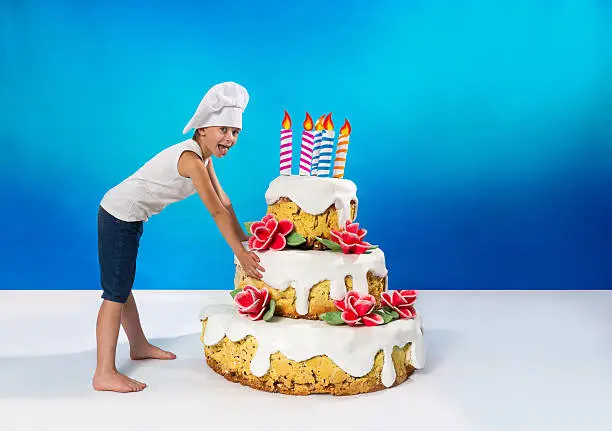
pixel 195 134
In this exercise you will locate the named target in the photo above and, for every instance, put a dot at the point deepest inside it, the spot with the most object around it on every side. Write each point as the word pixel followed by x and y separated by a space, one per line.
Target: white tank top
pixel 152 187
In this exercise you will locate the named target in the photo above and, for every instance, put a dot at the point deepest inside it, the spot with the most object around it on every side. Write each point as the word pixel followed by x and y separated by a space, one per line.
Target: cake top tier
pixel 314 194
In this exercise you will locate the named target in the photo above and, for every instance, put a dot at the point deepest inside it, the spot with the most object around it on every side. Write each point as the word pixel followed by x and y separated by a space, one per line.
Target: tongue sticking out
pixel 222 150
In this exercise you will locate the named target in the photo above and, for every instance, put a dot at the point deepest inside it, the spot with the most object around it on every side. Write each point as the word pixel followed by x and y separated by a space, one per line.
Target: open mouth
pixel 223 149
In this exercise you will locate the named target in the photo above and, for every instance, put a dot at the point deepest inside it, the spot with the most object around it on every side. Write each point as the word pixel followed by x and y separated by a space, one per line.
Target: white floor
pixel 497 361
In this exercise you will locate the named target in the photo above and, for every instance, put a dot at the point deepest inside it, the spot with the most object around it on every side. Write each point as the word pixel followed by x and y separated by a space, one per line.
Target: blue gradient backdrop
pixel 481 145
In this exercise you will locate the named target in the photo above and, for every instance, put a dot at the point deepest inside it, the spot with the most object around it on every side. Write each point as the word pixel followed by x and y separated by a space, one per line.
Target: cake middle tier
pixel 315 205
pixel 304 283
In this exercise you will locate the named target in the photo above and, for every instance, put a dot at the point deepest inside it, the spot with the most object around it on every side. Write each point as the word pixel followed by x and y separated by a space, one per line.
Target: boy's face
pixel 220 139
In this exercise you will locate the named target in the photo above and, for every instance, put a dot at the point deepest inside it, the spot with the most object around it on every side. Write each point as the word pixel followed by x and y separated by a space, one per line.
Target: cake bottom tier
pixel 301 357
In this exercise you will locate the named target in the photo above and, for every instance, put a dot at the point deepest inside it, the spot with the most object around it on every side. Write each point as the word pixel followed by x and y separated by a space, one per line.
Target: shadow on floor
pixel 69 375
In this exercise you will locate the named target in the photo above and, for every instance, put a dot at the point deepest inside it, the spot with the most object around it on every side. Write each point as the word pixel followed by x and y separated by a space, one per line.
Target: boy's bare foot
pixel 149 351
pixel 116 382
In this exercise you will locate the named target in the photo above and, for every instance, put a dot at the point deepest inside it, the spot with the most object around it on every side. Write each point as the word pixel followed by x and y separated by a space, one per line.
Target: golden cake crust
pixel 319 301
pixel 317 375
pixel 309 225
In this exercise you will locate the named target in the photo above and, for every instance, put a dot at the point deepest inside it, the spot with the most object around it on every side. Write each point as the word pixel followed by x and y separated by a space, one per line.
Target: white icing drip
pixel 302 269
pixel 315 194
pixel 351 348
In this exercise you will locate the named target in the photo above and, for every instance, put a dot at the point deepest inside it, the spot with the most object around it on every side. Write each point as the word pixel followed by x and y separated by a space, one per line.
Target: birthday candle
pixel 307 144
pixel 326 146
pixel 317 145
pixel 286 142
pixel 342 149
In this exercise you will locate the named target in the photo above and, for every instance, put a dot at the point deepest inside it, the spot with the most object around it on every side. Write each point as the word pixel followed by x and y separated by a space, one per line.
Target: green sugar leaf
pixel 332 317
pixel 235 292
pixel 271 307
pixel 334 246
pixel 387 317
pixel 387 313
pixel 295 239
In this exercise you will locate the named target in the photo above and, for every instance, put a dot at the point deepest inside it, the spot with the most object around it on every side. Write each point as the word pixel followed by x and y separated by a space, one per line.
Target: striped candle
pixel 317 145
pixel 326 147
pixel 342 149
pixel 286 142
pixel 307 146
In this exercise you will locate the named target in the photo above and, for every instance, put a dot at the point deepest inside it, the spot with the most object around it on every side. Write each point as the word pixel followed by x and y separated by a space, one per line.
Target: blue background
pixel 481 144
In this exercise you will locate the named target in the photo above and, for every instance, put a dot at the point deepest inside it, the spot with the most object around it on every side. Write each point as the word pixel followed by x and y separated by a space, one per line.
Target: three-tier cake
pixel 322 319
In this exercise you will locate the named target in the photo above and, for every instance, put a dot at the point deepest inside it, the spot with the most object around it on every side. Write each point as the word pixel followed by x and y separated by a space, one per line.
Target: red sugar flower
pixel 270 233
pixel 401 301
pixel 252 302
pixel 358 309
pixel 351 238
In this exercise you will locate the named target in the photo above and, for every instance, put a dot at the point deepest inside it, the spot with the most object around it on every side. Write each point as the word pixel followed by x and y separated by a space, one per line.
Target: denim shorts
pixel 118 243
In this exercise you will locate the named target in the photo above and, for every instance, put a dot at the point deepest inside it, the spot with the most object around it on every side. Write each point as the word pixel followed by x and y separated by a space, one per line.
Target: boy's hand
pixel 250 263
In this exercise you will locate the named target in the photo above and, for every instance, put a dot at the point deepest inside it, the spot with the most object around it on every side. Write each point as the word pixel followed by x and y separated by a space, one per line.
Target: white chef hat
pixel 222 105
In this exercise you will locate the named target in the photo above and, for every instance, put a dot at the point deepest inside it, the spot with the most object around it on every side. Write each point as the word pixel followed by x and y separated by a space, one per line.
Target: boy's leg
pixel 106 376
pixel 140 348
pixel 117 250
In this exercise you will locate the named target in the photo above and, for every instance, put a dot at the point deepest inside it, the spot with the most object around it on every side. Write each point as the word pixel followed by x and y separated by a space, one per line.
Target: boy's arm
pixel 190 165
pixel 225 201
